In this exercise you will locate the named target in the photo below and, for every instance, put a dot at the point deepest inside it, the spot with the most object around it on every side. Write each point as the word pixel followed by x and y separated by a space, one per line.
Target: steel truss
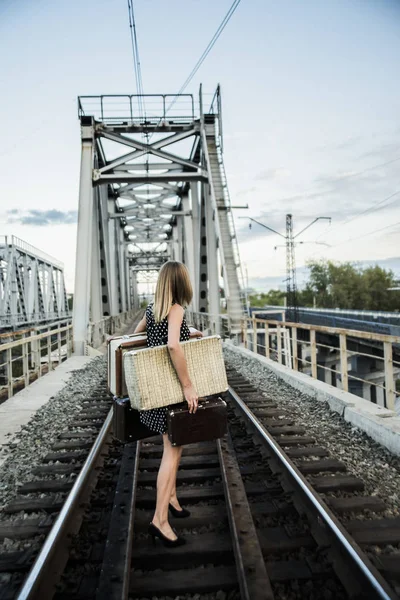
pixel 32 287
pixel 151 189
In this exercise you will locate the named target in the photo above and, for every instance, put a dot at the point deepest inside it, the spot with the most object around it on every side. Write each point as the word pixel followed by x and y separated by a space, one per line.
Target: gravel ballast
pixel 27 448
pixel 364 458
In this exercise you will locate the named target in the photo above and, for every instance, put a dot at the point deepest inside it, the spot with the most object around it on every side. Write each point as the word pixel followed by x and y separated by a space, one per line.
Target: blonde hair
pixel 173 285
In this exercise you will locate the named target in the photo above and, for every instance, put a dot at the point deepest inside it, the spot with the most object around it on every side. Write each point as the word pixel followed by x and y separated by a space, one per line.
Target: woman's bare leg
pixel 174 499
pixel 166 480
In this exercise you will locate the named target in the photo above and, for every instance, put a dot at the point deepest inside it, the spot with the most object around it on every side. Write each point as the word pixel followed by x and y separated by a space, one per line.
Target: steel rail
pixel 377 583
pixel 116 567
pixel 38 571
pixel 254 583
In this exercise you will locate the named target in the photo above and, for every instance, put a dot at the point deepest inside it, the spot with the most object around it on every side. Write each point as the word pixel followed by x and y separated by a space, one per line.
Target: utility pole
pixel 291 285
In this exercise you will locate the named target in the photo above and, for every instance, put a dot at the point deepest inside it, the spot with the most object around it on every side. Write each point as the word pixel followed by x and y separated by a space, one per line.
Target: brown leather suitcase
pixel 209 422
pixel 116 346
pixel 127 427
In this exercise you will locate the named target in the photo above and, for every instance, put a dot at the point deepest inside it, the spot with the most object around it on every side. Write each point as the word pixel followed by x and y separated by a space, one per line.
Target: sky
pixel 311 115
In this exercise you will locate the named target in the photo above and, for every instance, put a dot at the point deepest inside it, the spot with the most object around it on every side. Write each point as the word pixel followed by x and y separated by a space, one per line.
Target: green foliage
pixel 273 298
pixel 341 285
pixel 345 285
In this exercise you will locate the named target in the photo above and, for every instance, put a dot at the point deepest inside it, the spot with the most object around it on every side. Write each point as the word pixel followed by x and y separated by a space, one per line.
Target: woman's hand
pixel 191 398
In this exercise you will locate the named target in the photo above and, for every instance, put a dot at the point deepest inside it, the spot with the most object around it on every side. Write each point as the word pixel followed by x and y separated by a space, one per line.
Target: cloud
pixel 392 263
pixel 272 174
pixel 41 218
pixel 246 192
pixel 387 150
pixel 342 179
pixel 237 135
pixel 349 142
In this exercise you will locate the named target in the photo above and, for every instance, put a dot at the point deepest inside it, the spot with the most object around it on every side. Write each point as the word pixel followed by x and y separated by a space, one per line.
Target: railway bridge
pixel 301 495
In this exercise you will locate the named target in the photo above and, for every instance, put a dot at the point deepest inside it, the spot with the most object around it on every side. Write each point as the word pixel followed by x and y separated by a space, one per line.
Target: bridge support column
pixel 177 240
pixel 96 308
pixel 135 295
pixel 212 263
pixel 84 243
pixel 190 248
pixel 194 193
pixel 113 261
pixel 203 267
pixel 122 271
pixel 129 299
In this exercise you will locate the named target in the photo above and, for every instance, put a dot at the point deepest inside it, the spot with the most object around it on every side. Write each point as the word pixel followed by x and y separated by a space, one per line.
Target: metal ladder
pixel 236 303
pixel 243 293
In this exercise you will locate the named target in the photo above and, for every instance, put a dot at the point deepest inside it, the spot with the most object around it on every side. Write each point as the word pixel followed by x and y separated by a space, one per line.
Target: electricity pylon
pixel 291 285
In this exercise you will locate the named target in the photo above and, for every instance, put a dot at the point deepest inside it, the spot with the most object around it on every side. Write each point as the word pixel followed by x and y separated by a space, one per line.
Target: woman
pixel 165 323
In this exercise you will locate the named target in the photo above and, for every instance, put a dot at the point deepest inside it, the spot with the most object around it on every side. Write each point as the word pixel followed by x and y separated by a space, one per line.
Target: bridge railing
pixel 12 240
pixel 32 353
pixel 134 108
pixel 351 360
pixel 209 323
pixel 99 331
pixel 19 319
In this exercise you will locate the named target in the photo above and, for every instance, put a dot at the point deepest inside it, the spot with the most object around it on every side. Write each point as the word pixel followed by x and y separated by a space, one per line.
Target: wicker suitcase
pixel 117 346
pixel 209 422
pixel 152 381
pixel 127 426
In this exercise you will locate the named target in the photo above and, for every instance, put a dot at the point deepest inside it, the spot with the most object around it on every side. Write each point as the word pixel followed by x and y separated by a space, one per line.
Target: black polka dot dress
pixel 157 335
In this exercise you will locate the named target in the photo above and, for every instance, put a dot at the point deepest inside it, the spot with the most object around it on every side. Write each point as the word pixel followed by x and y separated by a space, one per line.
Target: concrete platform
pixel 381 424
pixel 19 409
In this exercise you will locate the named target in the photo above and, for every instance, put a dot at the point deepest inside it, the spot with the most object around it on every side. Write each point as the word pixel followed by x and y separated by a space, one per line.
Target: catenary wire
pixel 375 208
pixel 138 77
pixel 369 210
pixel 136 58
pixel 365 234
pixel 209 47
pixel 206 52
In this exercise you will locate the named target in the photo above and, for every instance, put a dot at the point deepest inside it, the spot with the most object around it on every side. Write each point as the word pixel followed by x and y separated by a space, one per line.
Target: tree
pixel 272 298
pixel 345 285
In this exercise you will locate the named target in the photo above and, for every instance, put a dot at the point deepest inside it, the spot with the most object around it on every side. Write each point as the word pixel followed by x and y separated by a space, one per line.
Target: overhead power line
pixel 374 208
pixel 366 234
pixel 357 173
pixel 208 49
pixel 136 58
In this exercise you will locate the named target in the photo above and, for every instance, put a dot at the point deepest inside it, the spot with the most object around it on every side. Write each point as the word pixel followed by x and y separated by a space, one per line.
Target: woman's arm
pixel 175 317
pixel 141 326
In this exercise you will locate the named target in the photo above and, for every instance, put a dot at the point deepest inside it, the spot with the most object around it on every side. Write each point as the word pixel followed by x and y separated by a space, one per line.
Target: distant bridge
pixel 32 286
pixel 386 323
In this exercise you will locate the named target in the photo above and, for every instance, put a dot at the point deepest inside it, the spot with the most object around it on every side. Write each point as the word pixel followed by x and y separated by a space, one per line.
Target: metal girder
pixel 159 127
pixel 146 149
pixel 146 167
pixel 32 288
pixel 153 205
pixel 99 178
pixel 174 189
pixel 142 149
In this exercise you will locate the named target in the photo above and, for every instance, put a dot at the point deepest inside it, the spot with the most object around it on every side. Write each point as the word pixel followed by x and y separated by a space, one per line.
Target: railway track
pixel 273 516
